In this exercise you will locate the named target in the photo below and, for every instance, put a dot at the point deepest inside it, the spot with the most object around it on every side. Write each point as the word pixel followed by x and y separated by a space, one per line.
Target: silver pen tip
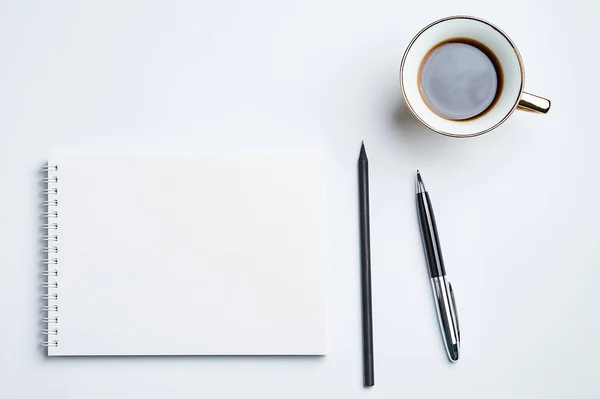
pixel 453 352
pixel 420 185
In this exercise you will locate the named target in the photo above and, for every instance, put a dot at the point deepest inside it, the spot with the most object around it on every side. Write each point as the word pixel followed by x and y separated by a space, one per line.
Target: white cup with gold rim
pixel 510 96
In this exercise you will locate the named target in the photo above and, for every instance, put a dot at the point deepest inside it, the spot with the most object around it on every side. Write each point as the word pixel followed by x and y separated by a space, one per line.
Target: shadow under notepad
pixel 188 358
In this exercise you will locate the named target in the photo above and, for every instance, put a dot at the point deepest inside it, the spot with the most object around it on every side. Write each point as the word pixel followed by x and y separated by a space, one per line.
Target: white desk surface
pixel 517 208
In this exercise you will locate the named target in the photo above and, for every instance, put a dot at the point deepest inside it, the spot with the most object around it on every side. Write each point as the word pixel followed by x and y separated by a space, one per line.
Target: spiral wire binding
pixel 50 251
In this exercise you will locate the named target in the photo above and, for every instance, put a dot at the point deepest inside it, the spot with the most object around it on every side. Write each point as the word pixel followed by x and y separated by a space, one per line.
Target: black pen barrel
pixel 431 241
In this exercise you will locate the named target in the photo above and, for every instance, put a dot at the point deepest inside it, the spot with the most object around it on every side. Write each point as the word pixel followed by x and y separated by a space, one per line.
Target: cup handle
pixel 532 103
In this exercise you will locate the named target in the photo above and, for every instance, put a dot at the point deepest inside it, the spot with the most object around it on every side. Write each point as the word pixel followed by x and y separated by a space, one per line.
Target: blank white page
pixel 191 255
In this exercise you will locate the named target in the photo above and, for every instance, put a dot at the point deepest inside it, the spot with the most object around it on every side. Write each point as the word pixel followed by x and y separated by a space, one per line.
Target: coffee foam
pixel 458 81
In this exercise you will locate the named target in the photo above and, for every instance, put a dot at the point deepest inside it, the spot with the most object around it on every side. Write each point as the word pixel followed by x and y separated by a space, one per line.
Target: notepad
pixel 185 255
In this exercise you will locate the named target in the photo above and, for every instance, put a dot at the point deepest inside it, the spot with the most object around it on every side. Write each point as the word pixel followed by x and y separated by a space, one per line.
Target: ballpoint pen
pixel 442 289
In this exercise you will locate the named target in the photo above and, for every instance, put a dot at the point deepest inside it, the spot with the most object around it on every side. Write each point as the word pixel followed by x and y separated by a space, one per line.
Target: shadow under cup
pixel 506 54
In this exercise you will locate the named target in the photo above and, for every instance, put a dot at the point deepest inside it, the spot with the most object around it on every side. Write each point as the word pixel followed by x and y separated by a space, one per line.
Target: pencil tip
pixel 363 153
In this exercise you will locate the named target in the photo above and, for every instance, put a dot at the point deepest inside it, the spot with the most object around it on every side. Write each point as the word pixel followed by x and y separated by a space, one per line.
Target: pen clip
pixel 454 308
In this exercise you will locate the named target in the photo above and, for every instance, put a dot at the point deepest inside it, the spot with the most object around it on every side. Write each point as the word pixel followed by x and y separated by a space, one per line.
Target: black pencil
pixel 365 249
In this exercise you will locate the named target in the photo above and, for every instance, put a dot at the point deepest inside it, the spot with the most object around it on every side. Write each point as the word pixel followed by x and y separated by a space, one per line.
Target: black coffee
pixel 460 79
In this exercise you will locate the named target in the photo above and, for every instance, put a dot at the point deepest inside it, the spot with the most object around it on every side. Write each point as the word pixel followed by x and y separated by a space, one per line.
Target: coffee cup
pixel 462 76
